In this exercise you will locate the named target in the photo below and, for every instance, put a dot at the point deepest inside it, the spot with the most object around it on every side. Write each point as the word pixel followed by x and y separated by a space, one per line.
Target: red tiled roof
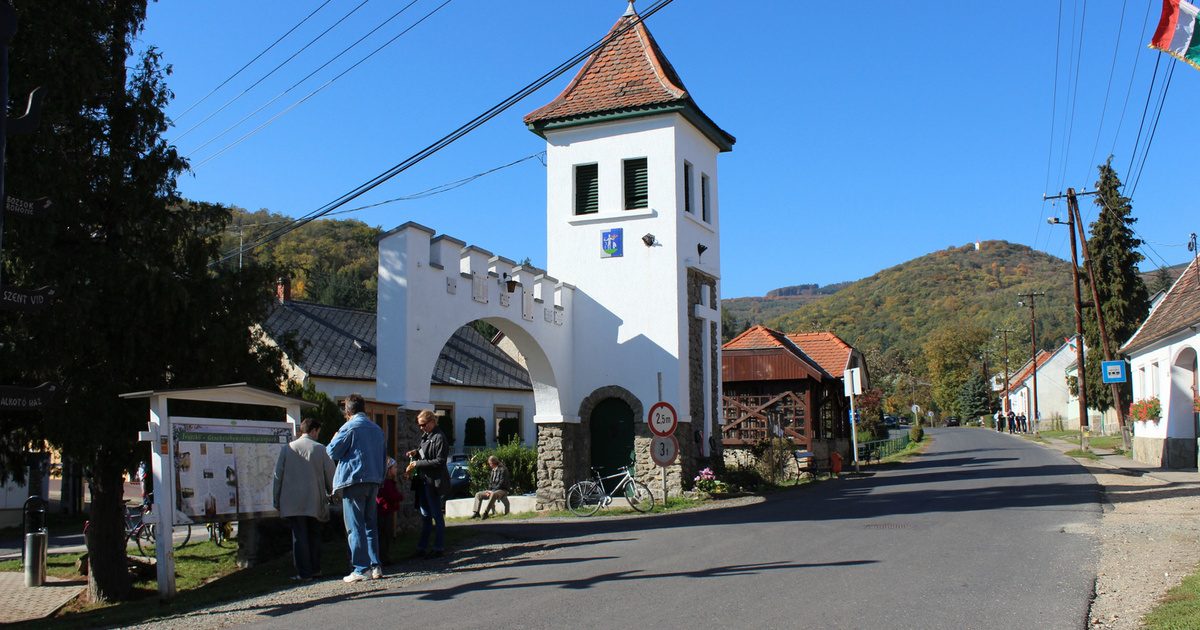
pixel 825 348
pixel 763 338
pixel 628 72
pixel 1027 370
pixel 1179 308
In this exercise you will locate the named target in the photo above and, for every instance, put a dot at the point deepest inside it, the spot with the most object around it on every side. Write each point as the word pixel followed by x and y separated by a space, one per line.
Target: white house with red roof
pixel 627 313
pixel 1162 365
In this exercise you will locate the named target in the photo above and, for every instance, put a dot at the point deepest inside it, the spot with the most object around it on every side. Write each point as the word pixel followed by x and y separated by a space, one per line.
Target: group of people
pixel 1013 422
pixel 355 467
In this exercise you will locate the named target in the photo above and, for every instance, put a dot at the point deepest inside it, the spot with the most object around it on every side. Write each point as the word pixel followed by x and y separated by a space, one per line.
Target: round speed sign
pixel 664 450
pixel 662 419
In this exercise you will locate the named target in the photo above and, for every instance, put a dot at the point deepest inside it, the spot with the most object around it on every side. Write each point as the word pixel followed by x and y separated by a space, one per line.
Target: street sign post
pixel 664 450
pixel 662 419
pixel 1112 371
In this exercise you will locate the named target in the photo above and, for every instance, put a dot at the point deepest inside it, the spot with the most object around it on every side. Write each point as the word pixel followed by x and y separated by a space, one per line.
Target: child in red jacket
pixel 388 501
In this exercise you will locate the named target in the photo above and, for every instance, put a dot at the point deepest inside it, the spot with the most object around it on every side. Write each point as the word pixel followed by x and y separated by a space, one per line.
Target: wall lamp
pixel 510 283
pixel 1058 221
pixel 700 249
pixel 649 240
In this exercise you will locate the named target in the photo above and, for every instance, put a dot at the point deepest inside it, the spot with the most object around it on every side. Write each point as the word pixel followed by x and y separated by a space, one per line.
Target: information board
pixel 224 469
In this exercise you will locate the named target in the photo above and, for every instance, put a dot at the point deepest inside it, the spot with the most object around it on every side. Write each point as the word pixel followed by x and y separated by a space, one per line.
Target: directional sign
pixel 664 450
pixel 35 208
pixel 1112 371
pixel 662 419
pixel 27 397
pixel 916 408
pixel 12 299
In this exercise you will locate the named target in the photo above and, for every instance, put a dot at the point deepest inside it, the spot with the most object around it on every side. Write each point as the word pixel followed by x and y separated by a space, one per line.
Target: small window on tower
pixel 587 189
pixel 687 188
pixel 705 204
pixel 637 184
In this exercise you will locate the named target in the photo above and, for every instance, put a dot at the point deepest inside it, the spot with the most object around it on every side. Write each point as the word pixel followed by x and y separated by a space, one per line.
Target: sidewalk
pixel 38 602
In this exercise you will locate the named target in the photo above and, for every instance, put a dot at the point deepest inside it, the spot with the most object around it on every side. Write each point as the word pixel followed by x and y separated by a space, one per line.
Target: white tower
pixel 633 223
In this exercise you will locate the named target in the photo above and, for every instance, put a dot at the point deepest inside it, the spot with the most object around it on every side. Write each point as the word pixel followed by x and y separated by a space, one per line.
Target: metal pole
pixel 1007 386
pixel 8 28
pixel 1032 295
pixel 854 433
pixel 1072 203
pixel 664 468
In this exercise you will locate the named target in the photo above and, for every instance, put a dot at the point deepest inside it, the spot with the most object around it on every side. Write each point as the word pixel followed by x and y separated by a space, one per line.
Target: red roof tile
pixel 1179 308
pixel 629 71
pixel 1027 370
pixel 826 349
pixel 762 338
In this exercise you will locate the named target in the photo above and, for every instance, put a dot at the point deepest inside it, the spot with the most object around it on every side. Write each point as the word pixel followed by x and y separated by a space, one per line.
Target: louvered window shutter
pixel 687 188
pixel 637 185
pixel 587 189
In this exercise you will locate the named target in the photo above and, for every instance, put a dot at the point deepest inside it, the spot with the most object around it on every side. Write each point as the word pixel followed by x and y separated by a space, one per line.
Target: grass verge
pixel 1081 454
pixel 1179 609
pixel 911 450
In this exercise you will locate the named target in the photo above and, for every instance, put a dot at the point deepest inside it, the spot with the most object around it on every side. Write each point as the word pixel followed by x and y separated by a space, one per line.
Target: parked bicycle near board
pixel 220 532
pixel 587 496
pixel 142 533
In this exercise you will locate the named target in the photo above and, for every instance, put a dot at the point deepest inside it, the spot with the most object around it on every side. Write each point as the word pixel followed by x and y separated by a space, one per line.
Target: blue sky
pixel 868 134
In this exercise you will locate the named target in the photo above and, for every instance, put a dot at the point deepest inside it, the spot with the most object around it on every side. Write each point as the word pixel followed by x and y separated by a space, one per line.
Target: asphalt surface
pixel 984 531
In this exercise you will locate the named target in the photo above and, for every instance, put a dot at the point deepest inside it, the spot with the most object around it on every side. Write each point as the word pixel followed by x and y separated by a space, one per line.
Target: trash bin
pixel 36 539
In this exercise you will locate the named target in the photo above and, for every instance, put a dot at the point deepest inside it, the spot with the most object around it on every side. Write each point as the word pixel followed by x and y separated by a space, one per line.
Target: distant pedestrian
pixel 1012 421
pixel 358 449
pixel 389 500
pixel 1022 423
pixel 303 483
pixel 431 483
pixel 497 489
pixel 999 420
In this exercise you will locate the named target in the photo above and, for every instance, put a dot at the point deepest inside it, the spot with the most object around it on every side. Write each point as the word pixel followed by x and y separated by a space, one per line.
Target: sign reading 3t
pixel 662 419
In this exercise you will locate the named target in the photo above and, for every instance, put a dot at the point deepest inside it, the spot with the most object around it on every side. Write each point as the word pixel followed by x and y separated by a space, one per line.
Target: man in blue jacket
pixel 358 449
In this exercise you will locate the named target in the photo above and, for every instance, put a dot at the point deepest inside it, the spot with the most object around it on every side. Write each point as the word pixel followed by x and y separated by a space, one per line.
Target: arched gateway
pixel 633 241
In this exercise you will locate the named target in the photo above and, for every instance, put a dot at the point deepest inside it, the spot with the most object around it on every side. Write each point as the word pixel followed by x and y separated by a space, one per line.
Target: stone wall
pixel 690 448
pixel 562 460
pixel 1177 453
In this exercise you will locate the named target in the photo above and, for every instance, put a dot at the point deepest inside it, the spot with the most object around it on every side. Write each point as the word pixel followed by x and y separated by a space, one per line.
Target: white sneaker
pixel 354 577
pixel 376 573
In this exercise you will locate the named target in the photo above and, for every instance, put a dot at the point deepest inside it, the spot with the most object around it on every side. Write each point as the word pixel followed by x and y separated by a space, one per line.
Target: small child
pixel 388 502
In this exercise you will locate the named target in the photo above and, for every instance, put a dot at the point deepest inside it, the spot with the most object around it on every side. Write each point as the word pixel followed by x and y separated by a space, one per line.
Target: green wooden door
pixel 612 435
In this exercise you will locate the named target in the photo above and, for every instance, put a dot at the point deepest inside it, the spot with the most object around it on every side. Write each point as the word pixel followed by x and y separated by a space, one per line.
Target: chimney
pixel 283 289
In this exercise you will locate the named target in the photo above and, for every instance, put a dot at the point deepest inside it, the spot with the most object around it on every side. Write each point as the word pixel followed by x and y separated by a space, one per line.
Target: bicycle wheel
pixel 187 535
pixel 583 499
pixel 144 536
pixel 639 496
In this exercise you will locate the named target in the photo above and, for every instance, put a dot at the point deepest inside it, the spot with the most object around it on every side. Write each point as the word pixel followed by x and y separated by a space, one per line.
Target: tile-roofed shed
pixel 1178 309
pixel 760 353
pixel 825 348
pixel 627 76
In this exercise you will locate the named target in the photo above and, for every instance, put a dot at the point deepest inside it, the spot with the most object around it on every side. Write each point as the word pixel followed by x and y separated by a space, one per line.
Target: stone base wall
pixel 562 456
pixel 650 473
pixel 1179 453
pixel 408 437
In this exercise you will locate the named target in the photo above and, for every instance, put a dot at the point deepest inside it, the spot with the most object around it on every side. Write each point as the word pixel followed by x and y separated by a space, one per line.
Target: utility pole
pixel 1032 296
pixel 1005 333
pixel 1073 206
pixel 1081 382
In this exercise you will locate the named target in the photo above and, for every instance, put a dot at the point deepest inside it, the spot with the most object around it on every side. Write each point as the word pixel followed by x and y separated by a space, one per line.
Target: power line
pixel 328 83
pixel 1137 56
pixel 1153 130
pixel 1145 108
pixel 1053 121
pixel 1108 89
pixel 306 78
pixel 1074 93
pixel 451 137
pixel 273 70
pixel 256 58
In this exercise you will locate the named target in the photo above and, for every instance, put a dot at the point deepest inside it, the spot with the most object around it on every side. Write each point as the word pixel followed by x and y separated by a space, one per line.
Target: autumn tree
pixel 952 354
pixel 140 307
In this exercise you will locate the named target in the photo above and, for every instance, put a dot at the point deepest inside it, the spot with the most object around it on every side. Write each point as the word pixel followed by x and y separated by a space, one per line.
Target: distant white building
pixel 1052 394
pixel 1162 365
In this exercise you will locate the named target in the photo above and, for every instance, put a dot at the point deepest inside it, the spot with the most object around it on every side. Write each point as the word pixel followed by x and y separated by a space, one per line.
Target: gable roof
pixel 338 342
pixel 1026 370
pixel 759 340
pixel 827 349
pixel 1177 310
pixel 628 76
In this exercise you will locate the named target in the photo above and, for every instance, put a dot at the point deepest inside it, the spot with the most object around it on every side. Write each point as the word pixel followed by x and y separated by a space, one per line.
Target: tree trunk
pixel 108 576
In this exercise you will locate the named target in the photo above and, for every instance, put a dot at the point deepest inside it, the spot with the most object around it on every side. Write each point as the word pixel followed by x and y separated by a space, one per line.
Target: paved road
pixel 985 531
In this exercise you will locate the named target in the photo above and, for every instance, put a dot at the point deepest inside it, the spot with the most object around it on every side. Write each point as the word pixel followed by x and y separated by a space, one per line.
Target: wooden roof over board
pixel 762 354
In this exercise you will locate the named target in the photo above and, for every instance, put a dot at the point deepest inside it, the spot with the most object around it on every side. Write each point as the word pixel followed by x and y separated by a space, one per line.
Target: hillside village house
pixel 1162 365
pixel 775 387
pixel 473 382
pixel 631 314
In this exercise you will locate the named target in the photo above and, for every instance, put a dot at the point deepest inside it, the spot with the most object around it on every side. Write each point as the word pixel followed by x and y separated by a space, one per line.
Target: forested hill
pixel 895 311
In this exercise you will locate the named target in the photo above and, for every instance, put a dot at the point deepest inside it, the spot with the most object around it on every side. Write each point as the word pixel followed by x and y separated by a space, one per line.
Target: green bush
pixel 773 455
pixel 521 462
pixel 475 433
pixel 916 433
pixel 746 478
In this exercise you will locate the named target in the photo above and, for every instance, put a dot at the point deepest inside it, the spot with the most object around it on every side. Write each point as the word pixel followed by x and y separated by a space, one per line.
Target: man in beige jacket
pixel 303 484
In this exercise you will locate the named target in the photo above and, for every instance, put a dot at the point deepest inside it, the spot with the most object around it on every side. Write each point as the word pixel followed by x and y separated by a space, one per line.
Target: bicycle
pixel 141 533
pixel 587 496
pixel 220 532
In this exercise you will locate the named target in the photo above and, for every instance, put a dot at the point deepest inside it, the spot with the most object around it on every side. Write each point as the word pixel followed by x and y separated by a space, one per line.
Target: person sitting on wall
pixel 497 489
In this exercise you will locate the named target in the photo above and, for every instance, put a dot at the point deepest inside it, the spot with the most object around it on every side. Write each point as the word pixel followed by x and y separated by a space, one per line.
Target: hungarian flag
pixel 1177 33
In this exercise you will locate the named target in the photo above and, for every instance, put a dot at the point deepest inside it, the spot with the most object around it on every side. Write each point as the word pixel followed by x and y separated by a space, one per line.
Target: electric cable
pixel 328 83
pixel 1142 122
pixel 301 81
pixel 256 58
pixel 1137 56
pixel 1108 89
pixel 272 71
pixel 1053 121
pixel 451 137
pixel 1153 130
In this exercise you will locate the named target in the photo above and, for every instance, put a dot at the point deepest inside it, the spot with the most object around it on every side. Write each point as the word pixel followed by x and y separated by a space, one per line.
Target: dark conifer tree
pixel 1113 247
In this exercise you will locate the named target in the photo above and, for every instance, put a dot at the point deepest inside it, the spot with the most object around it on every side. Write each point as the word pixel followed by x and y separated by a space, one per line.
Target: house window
pixel 687 188
pixel 1153 392
pixel 637 184
pixel 508 424
pixel 705 206
pixel 445 420
pixel 587 189
pixel 1140 382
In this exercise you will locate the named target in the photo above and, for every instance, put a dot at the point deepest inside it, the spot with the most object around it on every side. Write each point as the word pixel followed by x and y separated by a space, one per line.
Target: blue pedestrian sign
pixel 1112 371
pixel 612 243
